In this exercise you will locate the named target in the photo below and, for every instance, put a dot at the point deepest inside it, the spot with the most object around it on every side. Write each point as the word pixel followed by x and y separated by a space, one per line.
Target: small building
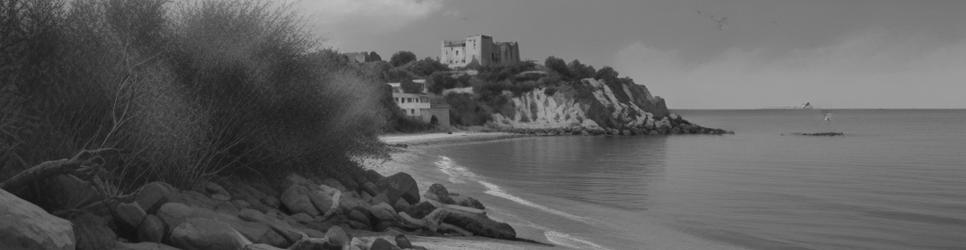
pixel 480 49
pixel 425 107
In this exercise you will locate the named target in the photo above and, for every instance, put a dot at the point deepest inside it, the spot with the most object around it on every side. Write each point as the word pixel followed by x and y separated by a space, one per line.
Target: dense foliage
pixel 401 58
pixel 189 90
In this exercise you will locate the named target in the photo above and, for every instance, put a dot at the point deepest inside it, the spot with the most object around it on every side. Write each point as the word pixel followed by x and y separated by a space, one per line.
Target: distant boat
pixel 828 117
pixel 807 105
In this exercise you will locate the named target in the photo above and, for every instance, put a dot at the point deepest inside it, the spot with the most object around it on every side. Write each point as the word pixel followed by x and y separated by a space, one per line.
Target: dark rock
pixel 272 238
pixel 302 218
pixel 142 246
pixel 203 233
pixel 439 193
pixel 338 237
pixel 382 244
pixel 92 233
pixel 296 199
pixel 174 213
pixel 370 188
pixel 359 216
pixel 252 215
pixel 467 201
pixel 153 195
pixel 401 185
pixel 402 205
pixel 325 198
pixel 130 214
pixel 383 212
pixel 403 242
pixel 421 209
pixel 260 246
pixel 241 204
pixel 152 229
pixel 479 224
pixel 271 201
pixel 312 244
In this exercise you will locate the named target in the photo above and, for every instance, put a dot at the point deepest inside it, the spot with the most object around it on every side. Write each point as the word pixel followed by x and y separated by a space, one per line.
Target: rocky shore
pixel 377 212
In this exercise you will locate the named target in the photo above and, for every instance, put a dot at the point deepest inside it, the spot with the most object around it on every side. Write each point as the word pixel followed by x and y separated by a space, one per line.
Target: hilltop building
pixel 480 49
pixel 425 107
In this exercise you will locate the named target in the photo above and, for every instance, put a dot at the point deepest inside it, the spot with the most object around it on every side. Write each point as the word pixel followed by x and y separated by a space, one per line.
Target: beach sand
pixel 444 138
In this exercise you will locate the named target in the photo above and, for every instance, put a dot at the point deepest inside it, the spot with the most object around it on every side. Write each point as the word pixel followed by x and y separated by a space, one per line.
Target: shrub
pixel 427 66
pixel 408 86
pixel 581 71
pixel 401 58
pixel 191 90
pixel 440 81
pixel 559 66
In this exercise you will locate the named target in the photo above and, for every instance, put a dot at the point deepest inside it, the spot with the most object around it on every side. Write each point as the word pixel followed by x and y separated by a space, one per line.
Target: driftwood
pixel 83 164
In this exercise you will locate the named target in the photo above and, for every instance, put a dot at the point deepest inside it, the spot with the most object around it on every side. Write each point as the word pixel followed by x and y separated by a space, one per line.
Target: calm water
pixel 897 181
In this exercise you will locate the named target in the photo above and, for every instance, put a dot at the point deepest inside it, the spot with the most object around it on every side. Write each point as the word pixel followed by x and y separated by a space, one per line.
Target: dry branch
pixel 82 164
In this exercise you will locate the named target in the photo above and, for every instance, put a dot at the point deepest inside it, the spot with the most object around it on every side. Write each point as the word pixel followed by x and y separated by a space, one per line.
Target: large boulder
pixel 383 212
pixel 383 244
pixel 142 246
pixel 152 229
pixel 154 194
pixel 479 224
pixel 24 225
pixel 422 209
pixel 337 237
pixel 296 199
pixel 130 213
pixel 202 233
pixel 438 193
pixel 92 233
pixel 325 198
pixel 174 213
pixel 400 185
pixel 467 201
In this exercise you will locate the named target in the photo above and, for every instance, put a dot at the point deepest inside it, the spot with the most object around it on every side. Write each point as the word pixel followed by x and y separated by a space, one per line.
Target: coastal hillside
pixel 557 98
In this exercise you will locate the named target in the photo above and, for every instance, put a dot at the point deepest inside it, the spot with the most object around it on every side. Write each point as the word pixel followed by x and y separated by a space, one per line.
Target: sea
pixel 896 180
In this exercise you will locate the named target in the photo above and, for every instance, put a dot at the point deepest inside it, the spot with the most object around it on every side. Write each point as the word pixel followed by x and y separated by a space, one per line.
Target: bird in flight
pixel 722 22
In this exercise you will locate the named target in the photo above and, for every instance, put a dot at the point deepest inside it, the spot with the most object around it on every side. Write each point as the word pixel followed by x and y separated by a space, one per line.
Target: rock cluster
pixel 233 214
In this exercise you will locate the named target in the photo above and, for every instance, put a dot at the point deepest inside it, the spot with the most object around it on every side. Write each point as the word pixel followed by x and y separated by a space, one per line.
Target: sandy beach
pixel 444 138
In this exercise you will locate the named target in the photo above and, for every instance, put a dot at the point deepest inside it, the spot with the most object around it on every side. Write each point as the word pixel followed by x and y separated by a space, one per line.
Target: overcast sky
pixel 698 53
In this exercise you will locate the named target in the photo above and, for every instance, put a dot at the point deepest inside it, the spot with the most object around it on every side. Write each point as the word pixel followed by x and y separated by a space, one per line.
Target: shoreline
pixel 427 139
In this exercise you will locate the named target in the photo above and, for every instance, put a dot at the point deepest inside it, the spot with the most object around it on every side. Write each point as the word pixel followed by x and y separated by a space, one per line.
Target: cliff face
pixel 593 106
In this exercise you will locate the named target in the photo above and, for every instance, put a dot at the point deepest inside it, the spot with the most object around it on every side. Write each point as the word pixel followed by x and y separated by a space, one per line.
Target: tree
pixel 440 81
pixel 558 65
pixel 373 57
pixel 401 58
pixel 581 71
pixel 427 66
pixel 607 74
pixel 408 86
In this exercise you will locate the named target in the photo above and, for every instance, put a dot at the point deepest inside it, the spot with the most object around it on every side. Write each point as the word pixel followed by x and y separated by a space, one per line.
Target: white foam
pixel 456 173
pixel 495 190
pixel 567 240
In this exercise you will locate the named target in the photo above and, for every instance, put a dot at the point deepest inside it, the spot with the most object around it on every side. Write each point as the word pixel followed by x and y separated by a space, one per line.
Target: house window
pixel 412 111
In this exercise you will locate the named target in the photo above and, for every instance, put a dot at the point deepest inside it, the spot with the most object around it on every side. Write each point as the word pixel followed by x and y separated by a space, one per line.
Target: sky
pixel 721 54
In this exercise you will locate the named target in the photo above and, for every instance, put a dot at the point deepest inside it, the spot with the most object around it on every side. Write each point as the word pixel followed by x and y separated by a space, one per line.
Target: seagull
pixel 722 22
